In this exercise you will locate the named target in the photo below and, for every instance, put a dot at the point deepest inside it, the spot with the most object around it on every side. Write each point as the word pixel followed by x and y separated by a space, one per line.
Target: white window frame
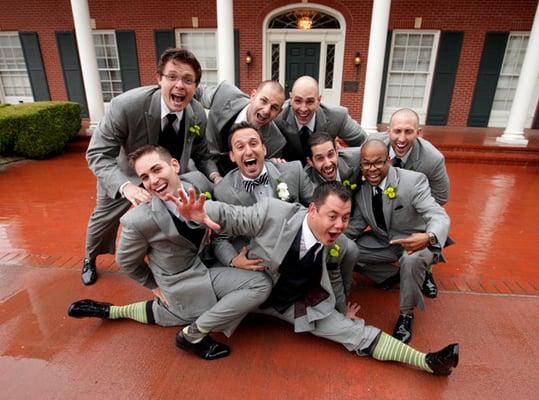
pixel 10 99
pixel 109 81
pixel 499 118
pixel 177 35
pixel 422 112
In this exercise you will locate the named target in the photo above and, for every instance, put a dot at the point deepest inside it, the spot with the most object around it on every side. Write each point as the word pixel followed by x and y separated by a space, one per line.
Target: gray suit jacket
pixel 232 191
pixel 133 120
pixel 348 166
pixel 174 263
pixel 225 101
pixel 272 226
pixel 413 209
pixel 334 120
pixel 427 159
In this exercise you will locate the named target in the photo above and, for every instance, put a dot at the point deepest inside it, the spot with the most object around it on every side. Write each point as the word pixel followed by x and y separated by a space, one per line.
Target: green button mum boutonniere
pixel 194 131
pixel 334 251
pixel 207 195
pixel 391 192
pixel 351 186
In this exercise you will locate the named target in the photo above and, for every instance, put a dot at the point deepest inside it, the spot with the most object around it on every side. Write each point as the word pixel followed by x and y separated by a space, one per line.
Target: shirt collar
pixel 309 124
pixel 381 185
pixel 242 116
pixel 249 179
pixel 165 111
pixel 307 236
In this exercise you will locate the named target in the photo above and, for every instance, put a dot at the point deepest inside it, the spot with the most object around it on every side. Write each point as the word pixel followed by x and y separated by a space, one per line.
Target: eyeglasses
pixel 366 165
pixel 187 80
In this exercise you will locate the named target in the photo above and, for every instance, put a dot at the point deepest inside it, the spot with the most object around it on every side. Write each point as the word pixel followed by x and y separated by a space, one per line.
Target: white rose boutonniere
pixel 282 191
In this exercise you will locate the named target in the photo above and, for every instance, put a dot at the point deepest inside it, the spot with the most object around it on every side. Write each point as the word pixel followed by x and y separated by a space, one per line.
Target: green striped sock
pixel 390 349
pixel 135 311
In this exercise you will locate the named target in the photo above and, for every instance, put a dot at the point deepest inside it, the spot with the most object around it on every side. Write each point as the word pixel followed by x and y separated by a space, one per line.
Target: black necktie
pixel 170 139
pixel 250 185
pixel 377 208
pixel 310 256
pixel 304 134
pixel 396 162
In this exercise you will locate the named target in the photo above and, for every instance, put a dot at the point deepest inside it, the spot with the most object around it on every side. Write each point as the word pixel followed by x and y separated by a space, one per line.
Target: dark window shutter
pixel 164 39
pixel 487 78
pixel 127 53
pixel 384 76
pixel 238 56
pixel 69 58
pixel 34 65
pixel 444 77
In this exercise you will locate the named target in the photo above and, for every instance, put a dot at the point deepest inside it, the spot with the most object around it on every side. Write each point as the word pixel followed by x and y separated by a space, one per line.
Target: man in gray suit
pixel 409 150
pixel 302 248
pixel 164 114
pixel 187 292
pixel 229 105
pixel 326 164
pixel 305 114
pixel 408 228
pixel 253 180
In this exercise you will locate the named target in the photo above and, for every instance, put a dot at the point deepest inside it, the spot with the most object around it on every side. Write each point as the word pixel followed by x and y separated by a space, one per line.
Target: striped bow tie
pixel 261 180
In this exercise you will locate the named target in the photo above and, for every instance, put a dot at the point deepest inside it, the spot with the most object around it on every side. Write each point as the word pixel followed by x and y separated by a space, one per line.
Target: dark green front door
pixel 301 59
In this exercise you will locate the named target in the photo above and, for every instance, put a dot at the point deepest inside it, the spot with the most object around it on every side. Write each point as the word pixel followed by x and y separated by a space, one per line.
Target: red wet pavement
pixel 488 303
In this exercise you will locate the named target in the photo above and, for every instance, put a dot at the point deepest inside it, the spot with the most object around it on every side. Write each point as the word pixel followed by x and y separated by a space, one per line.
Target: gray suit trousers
pixel 377 264
pixel 354 335
pixel 238 292
pixel 103 224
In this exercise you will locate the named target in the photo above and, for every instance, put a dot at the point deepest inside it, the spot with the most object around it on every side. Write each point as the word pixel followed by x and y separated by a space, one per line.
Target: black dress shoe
pixel 389 282
pixel 207 348
pixel 429 288
pixel 403 328
pixel 443 361
pixel 89 308
pixel 89 272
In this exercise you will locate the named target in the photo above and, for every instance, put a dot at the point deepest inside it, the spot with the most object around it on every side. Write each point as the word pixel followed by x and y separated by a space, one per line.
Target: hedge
pixel 38 130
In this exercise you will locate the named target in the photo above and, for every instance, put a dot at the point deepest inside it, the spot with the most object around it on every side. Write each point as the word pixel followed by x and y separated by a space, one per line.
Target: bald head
pixel 376 146
pixel 403 131
pixel 305 98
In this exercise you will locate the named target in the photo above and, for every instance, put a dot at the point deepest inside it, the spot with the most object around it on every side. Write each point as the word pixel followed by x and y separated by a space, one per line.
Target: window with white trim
pixel 203 44
pixel 510 72
pixel 14 82
pixel 108 64
pixel 411 66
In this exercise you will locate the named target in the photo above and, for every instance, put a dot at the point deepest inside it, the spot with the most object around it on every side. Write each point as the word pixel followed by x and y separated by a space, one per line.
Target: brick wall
pixel 475 18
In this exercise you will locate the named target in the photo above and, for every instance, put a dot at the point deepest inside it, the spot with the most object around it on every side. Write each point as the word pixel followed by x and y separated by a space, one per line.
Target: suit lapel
pixel 284 241
pixel 345 171
pixel 366 194
pixel 153 118
pixel 392 181
pixel 243 197
pixel 414 160
pixel 190 120
pixel 164 220
pixel 321 121
pixel 274 175
pixel 291 131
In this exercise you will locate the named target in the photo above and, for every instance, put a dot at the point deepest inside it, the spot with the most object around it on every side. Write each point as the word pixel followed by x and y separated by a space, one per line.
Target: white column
pixel 225 40
pixel 514 132
pixel 88 61
pixel 375 64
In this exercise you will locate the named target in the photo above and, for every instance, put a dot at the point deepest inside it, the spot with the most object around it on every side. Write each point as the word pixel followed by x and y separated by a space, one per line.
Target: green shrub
pixel 38 130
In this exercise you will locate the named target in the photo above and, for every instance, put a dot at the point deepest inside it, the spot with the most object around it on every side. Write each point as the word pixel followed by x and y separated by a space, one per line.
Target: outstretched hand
pixel 351 311
pixel 192 209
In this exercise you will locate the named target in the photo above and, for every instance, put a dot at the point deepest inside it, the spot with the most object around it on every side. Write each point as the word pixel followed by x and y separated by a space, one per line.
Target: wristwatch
pixel 432 238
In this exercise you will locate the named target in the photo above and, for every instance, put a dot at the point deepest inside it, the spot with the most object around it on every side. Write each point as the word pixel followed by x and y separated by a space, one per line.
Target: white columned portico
pixel 88 61
pixel 375 64
pixel 225 40
pixel 514 132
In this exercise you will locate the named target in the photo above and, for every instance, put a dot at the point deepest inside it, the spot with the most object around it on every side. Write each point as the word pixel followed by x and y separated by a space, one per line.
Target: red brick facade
pixel 474 18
